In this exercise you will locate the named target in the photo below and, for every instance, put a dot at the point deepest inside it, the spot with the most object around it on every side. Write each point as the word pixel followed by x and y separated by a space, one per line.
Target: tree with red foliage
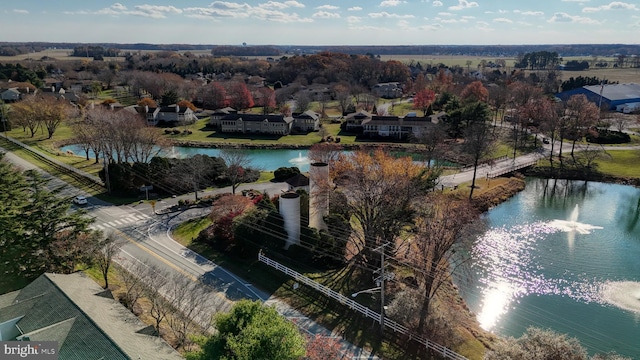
pixel 322 348
pixel 423 100
pixel 266 98
pixel 214 96
pixel 475 92
pixel 240 96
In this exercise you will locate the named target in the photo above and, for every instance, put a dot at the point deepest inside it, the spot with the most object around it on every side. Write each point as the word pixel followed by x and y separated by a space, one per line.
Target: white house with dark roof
pixel 176 114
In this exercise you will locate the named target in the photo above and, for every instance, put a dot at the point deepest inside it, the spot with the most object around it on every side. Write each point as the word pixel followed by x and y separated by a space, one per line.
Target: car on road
pixel 80 200
pixel 546 141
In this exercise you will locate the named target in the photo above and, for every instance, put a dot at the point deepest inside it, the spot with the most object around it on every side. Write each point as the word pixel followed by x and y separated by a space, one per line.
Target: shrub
pixel 284 173
pixel 608 137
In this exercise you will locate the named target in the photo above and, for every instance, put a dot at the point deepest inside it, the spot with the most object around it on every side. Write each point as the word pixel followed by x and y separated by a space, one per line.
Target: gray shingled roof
pixel 70 310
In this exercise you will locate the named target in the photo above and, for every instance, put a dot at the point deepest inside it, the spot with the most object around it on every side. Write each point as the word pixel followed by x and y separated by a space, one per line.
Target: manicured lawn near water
pixel 624 163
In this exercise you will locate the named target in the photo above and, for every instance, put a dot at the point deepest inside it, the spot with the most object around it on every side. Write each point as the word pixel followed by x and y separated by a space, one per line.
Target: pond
pixel 262 159
pixel 563 255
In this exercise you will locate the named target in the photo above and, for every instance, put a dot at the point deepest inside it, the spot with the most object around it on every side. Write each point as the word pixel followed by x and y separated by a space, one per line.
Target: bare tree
pixel 189 299
pixel 582 115
pixel 155 283
pixel 439 228
pixel 237 165
pixel 303 101
pixel 104 254
pixel 478 143
pixel 130 277
pixel 433 140
pixel 195 172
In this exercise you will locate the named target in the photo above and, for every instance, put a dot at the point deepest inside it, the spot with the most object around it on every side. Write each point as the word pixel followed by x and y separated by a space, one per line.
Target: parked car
pixel 546 141
pixel 80 200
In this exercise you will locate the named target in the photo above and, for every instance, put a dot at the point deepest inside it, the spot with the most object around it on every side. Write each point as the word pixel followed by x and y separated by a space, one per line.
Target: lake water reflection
pixel 563 255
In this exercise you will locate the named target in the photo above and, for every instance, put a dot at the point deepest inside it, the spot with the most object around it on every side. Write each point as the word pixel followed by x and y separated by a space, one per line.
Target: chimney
pixel 146 109
pixel 177 108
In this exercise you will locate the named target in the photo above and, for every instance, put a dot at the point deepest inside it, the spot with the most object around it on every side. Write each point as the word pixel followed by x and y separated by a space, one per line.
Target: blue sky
pixel 324 22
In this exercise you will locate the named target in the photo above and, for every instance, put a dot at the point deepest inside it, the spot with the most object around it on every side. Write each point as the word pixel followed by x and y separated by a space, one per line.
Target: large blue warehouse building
pixel 614 96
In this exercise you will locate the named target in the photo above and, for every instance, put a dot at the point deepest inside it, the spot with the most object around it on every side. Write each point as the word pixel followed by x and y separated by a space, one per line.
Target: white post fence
pixel 447 353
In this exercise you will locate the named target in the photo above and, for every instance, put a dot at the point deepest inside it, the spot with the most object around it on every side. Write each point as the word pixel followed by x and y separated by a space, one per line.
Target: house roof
pixel 258 117
pixel 309 114
pixel 298 180
pixel 70 309
pixel 172 109
pixel 616 92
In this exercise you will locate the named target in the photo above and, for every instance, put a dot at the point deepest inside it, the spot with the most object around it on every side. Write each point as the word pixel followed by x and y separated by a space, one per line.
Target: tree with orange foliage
pixel 379 190
pixel 186 104
pixel 423 100
pixel 475 92
pixel 147 102
pixel 444 81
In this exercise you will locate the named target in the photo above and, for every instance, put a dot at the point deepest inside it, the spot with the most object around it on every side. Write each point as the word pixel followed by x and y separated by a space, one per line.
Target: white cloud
pixel 463 4
pixel 532 13
pixel 270 11
pixel 327 7
pixel 154 11
pixel 468 17
pixel 385 14
pixel 326 15
pixel 354 8
pixel 118 7
pixel 280 5
pixel 20 11
pixel 445 14
pixel 503 20
pixel 562 17
pixel 353 19
pixel 403 24
pixel 389 3
pixel 616 5
pixel 437 3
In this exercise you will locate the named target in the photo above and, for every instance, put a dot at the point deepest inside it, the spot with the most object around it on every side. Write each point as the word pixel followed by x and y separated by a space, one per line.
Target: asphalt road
pixel 147 240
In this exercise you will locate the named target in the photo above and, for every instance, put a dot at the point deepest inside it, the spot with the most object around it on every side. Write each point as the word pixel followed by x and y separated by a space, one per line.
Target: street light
pixel 368 291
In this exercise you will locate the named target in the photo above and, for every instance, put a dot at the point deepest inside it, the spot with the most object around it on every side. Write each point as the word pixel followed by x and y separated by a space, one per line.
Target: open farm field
pixel 621 75
pixel 449 60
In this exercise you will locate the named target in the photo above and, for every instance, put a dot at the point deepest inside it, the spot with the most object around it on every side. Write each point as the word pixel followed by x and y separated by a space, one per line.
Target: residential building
pixel 389 90
pixel 217 115
pixel 82 317
pixel 255 123
pixel 176 114
pixel 10 95
pixel 353 121
pixel 307 121
pixel 395 127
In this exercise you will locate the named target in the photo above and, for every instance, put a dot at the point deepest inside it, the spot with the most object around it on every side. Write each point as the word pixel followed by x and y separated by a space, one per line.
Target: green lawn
pixel 623 163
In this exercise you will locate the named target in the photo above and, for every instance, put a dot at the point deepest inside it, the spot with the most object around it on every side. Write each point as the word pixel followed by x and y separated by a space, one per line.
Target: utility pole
pixel 382 278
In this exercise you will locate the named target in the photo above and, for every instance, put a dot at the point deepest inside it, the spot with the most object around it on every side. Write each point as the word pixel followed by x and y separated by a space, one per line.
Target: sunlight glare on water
pixel 510 271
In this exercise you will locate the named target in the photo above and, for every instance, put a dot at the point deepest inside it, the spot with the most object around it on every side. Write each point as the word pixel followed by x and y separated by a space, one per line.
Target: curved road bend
pixel 148 241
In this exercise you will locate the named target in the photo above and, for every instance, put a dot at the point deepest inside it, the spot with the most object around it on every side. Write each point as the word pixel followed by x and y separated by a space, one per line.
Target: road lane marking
pixel 170 264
